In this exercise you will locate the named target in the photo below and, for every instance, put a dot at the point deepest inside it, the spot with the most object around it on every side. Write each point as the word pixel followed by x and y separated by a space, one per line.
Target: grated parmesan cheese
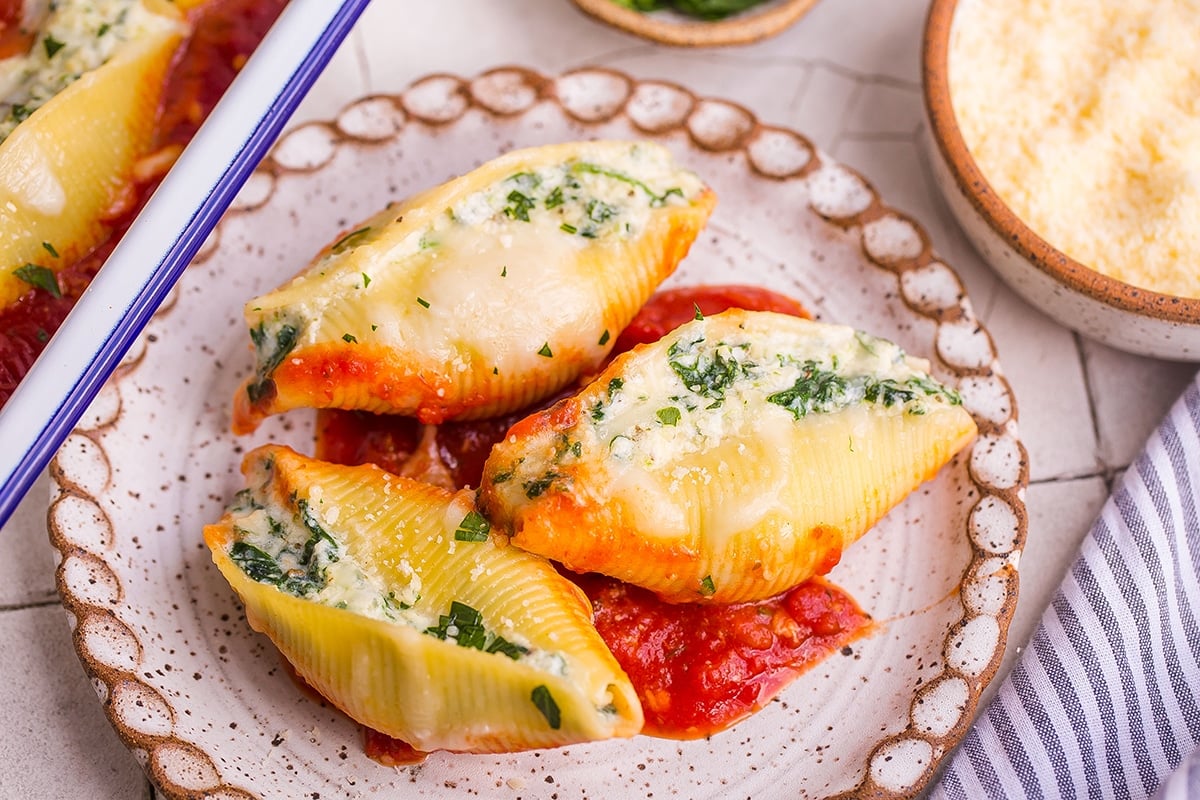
pixel 1085 119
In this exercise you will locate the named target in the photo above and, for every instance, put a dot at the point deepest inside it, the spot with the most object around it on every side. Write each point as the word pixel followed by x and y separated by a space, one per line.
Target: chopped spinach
pixel 256 563
pixel 271 354
pixel 542 698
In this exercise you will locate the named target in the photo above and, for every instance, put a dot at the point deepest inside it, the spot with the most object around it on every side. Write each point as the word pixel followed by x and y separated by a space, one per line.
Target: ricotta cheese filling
pixel 296 549
pixel 707 390
pixel 75 37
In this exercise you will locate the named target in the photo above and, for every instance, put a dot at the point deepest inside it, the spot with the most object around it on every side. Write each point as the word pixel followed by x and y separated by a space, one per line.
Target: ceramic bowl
pixel 667 27
pixel 1116 313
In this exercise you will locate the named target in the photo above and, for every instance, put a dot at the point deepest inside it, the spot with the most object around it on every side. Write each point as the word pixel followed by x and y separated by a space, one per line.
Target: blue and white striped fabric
pixel 1105 700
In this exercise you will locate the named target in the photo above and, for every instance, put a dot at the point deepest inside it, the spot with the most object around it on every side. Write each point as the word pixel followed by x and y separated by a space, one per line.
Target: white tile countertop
pixel 847 77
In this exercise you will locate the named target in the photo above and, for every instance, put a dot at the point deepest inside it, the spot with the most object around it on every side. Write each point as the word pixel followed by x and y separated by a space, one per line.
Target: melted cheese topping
pixel 436 292
pixel 485 256
pixel 76 37
pixel 712 386
pixel 1085 119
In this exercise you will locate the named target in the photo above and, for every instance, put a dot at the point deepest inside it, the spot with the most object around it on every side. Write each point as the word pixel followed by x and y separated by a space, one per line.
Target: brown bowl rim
pixel 744 28
pixel 1007 225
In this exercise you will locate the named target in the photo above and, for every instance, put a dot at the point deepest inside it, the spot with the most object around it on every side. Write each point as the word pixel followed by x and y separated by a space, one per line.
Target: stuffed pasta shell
pixel 76 113
pixel 482 295
pixel 732 459
pixel 390 599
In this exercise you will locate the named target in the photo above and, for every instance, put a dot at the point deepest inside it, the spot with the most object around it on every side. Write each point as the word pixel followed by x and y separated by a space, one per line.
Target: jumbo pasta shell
pixel 482 295
pixel 729 461
pixel 70 163
pixel 388 597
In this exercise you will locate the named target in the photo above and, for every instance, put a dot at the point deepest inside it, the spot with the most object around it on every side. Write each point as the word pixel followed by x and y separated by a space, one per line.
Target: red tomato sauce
pixel 13 40
pixel 696 669
pixel 224 33
pixel 669 309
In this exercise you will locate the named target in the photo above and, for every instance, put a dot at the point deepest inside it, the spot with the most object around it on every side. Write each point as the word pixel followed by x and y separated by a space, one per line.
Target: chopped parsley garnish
pixel 49 248
pixel 599 211
pixel 103 29
pixel 889 391
pixel 656 199
pixel 865 341
pixel 42 336
pixel 366 280
pixel 707 587
pixel 555 198
pixel 668 416
pixel 707 371
pixel 615 385
pixel 518 206
pixel 350 240
pixel 505 647
pixel 393 603
pixel 349 337
pixel 545 703
pixel 473 528
pixel 568 228
pixel 504 271
pixel 564 445
pixel 39 278
pixel 816 390
pixel 52 46
pixel 465 626
pixel 820 390
pixel 699 313
pixel 20 112
pixel 538 487
pixel 421 301
pixel 604 337
pixel 545 351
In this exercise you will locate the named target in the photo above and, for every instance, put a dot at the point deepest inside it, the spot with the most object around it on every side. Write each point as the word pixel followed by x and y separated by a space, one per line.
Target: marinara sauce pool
pixel 697 669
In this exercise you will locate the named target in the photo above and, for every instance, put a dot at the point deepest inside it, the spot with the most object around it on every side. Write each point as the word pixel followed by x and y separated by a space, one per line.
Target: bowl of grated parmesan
pixel 1065 137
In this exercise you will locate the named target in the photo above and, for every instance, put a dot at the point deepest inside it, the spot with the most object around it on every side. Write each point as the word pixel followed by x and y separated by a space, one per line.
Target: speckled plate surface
pixel 203 702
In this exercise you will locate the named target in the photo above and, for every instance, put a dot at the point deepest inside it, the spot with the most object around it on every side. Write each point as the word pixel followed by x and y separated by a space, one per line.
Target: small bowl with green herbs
pixel 699 23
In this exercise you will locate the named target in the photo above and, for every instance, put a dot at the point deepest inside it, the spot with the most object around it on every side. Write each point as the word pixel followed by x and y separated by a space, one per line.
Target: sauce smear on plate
pixel 697 669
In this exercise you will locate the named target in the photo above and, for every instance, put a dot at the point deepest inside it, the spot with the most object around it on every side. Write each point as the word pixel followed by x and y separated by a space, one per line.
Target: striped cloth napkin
pixel 1105 700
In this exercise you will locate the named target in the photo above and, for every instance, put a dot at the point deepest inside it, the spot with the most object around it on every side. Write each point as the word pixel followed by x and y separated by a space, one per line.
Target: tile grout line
pixel 1106 474
pixel 34 604
pixel 1106 470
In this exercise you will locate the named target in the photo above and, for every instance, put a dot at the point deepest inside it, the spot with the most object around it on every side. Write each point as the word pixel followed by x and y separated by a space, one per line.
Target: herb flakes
pixel 39 278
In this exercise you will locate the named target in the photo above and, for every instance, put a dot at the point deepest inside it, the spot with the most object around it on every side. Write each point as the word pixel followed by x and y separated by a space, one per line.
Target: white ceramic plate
pixel 204 702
